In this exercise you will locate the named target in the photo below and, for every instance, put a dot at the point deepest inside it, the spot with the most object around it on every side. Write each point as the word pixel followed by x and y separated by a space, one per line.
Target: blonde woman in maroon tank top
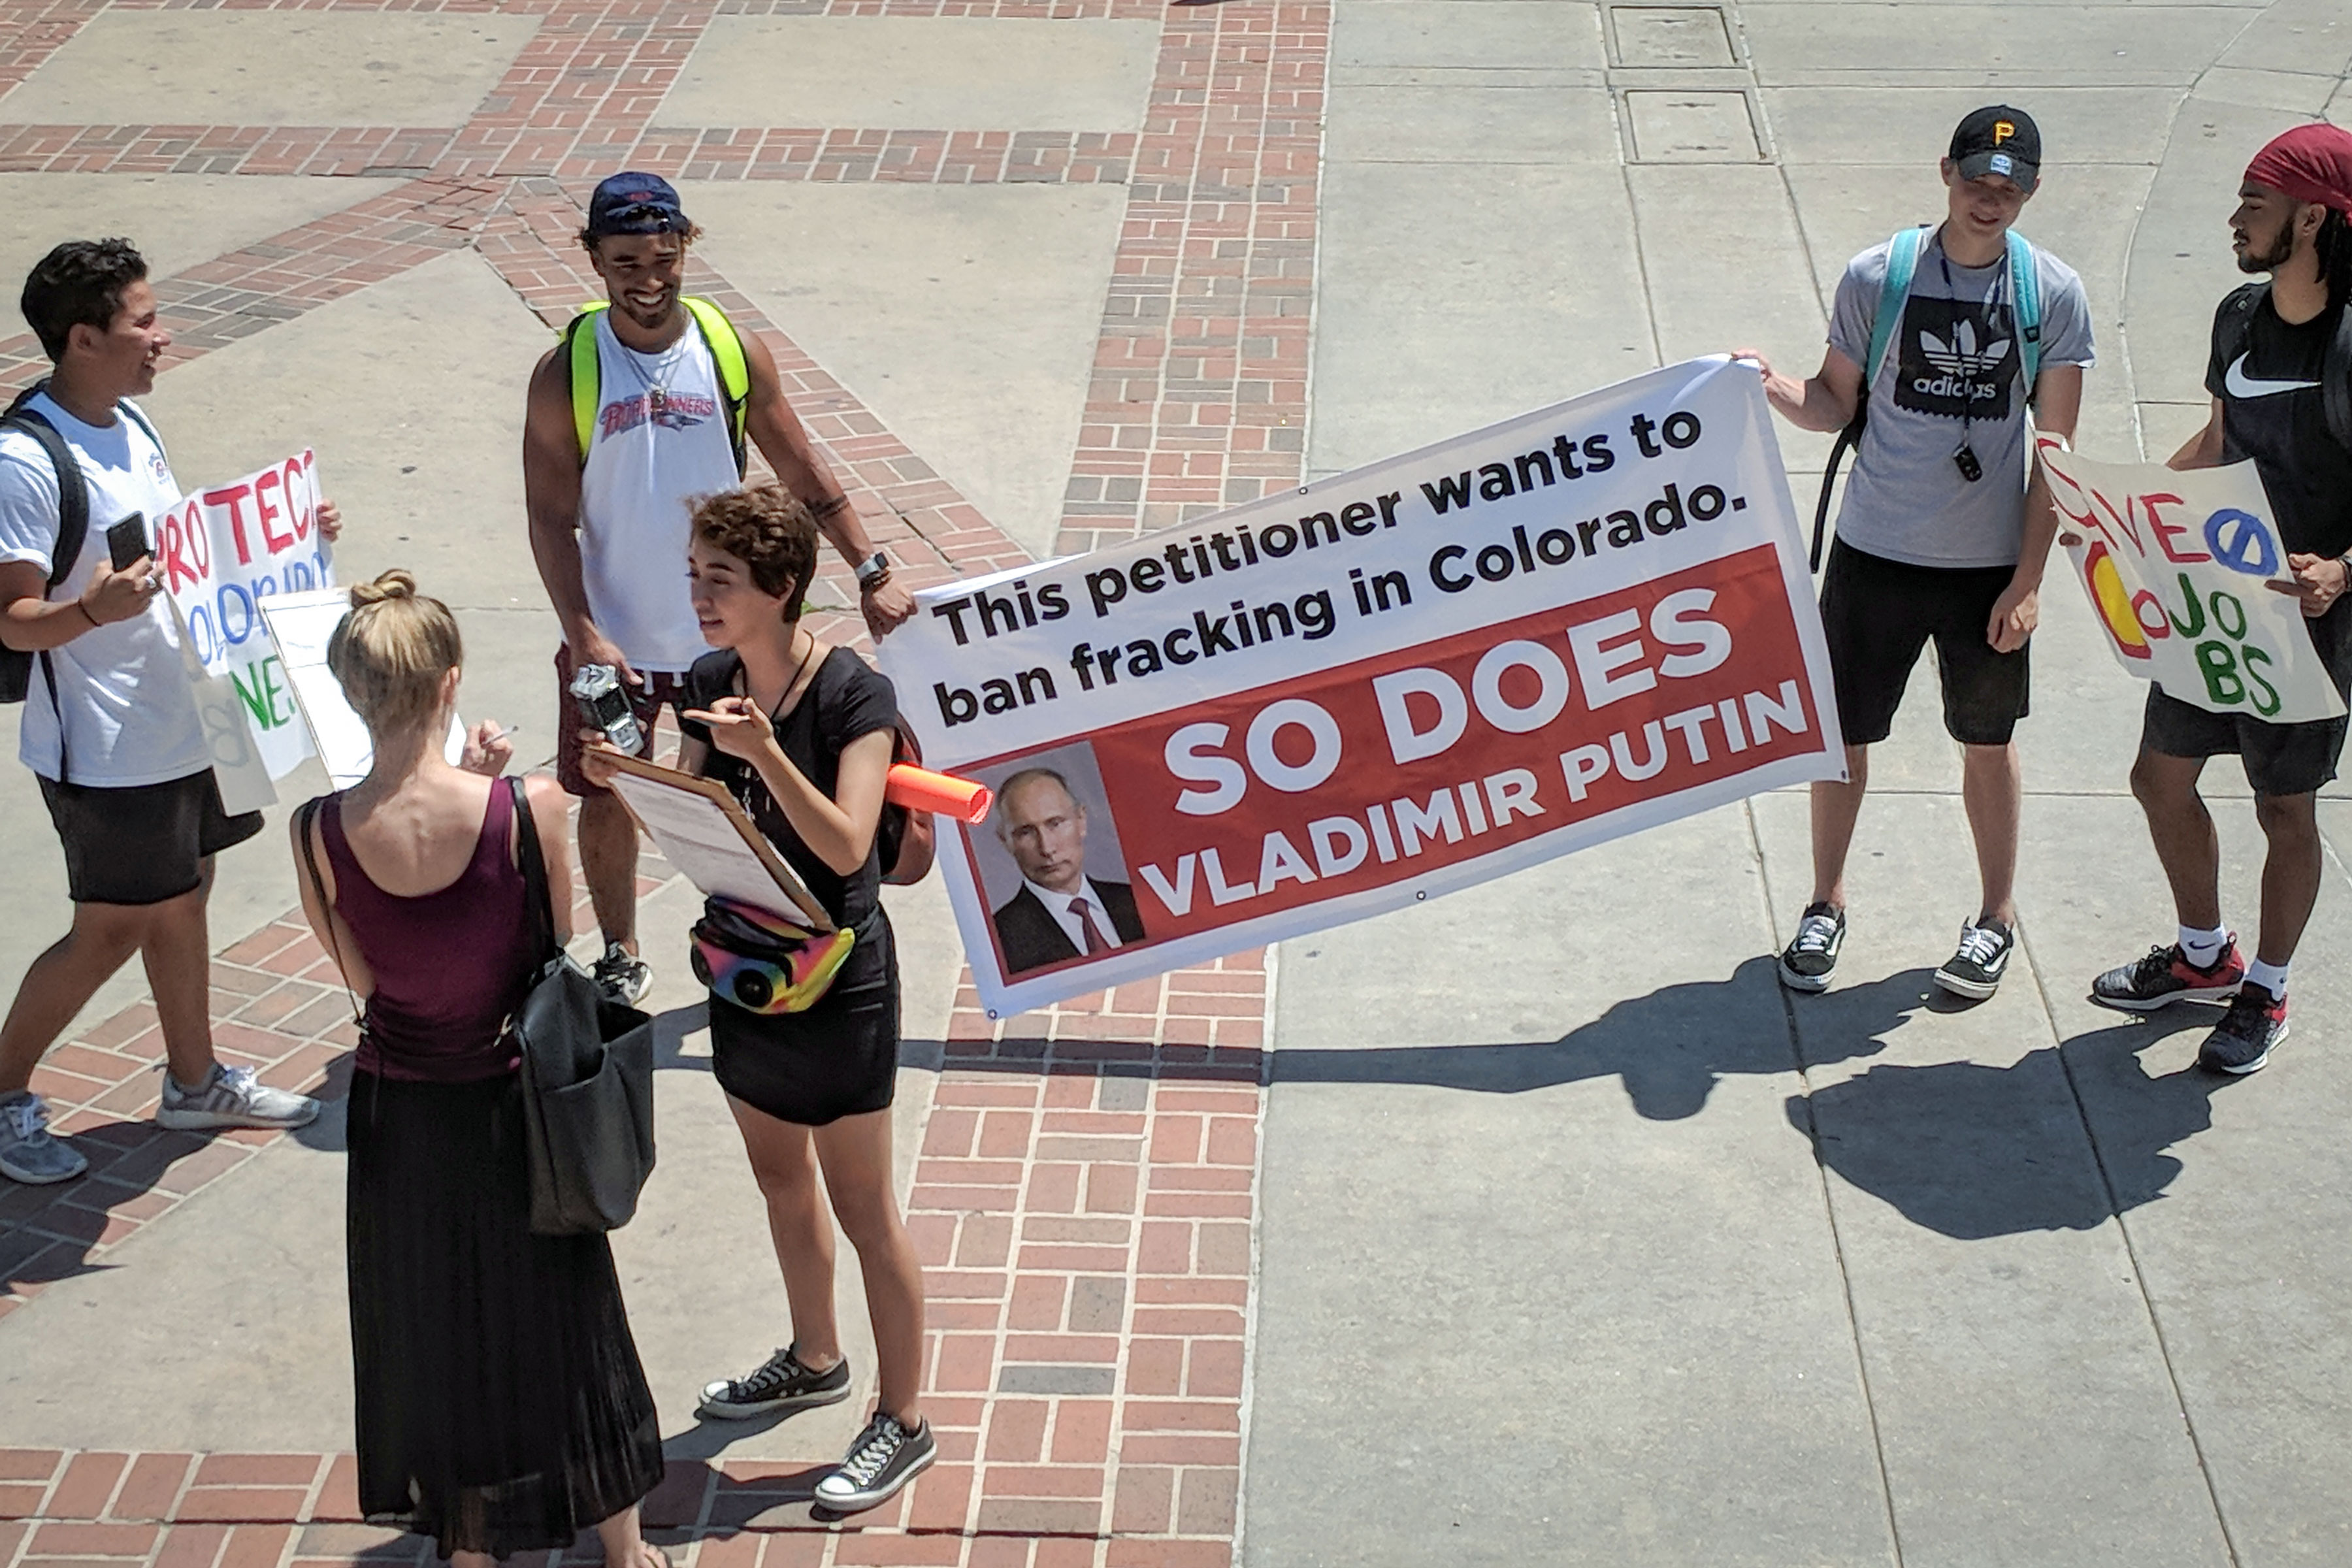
pixel 501 1406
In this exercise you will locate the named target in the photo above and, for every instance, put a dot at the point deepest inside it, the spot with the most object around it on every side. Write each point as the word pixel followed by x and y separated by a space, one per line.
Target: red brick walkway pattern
pixel 1085 1195
pixel 1083 1203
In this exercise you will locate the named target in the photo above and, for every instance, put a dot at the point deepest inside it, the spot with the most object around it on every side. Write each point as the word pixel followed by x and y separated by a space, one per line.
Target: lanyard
pixel 1992 318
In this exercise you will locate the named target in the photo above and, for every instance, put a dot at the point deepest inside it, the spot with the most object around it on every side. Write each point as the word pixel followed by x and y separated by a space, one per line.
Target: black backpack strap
pixel 73 530
pixel 129 411
pixel 2335 378
pixel 2233 323
pixel 73 491
pixel 541 912
pixel 1847 441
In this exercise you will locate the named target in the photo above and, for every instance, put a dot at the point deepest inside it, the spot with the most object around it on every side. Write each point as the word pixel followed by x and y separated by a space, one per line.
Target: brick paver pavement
pixel 1085 1195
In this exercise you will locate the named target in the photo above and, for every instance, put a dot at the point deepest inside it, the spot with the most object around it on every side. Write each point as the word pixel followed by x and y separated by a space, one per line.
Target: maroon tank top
pixel 449 966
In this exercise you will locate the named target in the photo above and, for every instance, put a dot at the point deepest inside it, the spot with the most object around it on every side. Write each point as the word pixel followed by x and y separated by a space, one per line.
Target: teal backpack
pixel 1902 264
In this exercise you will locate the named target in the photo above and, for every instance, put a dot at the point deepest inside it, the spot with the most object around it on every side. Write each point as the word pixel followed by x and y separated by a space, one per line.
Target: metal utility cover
pixel 1694 127
pixel 1682 36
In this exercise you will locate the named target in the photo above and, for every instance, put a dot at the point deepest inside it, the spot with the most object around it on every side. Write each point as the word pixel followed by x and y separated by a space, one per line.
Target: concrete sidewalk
pixel 1621 1255
pixel 1576 1241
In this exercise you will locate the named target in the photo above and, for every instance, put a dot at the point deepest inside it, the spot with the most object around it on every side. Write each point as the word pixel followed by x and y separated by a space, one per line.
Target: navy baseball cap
pixel 2001 141
pixel 633 203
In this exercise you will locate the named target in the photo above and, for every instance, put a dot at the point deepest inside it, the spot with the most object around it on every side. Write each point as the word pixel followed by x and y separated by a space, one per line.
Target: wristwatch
pixel 873 571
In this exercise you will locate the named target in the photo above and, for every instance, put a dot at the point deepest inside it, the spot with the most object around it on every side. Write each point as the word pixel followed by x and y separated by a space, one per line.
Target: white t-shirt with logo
pixel 660 443
pixel 130 717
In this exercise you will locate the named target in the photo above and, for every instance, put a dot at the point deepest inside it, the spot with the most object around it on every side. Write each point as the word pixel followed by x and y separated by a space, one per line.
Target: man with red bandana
pixel 2281 353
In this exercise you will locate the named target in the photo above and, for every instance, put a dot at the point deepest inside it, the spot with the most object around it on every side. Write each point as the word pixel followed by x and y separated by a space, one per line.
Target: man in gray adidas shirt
pixel 1946 522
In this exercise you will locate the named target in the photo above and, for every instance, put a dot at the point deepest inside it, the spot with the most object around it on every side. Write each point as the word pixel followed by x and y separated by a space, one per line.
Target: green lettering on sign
pixel 260 699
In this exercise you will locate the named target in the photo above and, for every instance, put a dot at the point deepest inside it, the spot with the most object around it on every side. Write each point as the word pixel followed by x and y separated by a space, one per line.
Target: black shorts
pixel 1879 614
pixel 839 1059
pixel 2279 759
pixel 143 843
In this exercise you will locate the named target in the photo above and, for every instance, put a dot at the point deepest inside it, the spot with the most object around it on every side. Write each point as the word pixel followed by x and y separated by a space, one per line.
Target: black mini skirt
pixel 839 1059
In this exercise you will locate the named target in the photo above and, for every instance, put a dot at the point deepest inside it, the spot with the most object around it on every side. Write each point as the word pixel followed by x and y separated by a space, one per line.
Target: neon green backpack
pixel 586 371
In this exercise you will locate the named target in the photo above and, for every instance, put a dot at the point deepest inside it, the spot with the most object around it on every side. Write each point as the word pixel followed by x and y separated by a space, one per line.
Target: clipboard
pixel 700 829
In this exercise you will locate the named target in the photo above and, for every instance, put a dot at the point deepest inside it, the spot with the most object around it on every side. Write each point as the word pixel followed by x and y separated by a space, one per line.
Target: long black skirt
pixel 501 1404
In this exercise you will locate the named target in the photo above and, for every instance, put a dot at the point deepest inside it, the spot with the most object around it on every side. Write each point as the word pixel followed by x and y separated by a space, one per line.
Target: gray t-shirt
pixel 1951 373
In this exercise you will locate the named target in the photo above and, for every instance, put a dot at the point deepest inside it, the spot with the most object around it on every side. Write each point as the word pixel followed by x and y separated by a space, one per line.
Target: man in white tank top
pixel 608 525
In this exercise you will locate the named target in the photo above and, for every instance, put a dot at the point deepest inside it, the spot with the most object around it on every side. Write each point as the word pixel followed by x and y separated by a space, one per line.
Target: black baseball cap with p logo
pixel 1999 140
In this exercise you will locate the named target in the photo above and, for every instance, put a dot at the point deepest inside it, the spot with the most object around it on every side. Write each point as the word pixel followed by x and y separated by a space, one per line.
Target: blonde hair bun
pixel 397 584
pixel 392 651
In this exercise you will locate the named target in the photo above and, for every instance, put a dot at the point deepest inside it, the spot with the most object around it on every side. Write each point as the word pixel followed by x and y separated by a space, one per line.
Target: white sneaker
pixel 29 1152
pixel 234 1098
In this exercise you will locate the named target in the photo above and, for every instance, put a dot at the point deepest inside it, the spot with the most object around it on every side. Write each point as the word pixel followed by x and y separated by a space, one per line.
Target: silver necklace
pixel 656 382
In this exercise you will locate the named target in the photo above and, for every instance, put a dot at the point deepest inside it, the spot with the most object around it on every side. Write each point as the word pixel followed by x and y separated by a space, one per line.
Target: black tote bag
pixel 587 1078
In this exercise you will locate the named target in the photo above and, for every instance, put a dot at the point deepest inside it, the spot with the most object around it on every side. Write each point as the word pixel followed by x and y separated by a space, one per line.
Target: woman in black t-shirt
pixel 801 734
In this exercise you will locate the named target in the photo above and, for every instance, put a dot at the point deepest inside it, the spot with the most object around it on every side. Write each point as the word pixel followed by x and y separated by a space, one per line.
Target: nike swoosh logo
pixel 2240 384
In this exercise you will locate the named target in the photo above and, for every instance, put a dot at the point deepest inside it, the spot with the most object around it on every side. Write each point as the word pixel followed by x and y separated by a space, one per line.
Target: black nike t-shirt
pixel 2272 411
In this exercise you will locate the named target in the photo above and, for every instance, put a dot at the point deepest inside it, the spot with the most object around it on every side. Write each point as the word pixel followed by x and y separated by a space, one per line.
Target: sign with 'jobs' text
pixel 2184 568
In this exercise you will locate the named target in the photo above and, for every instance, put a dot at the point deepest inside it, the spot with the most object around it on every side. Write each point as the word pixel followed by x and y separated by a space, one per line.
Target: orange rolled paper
pixel 919 789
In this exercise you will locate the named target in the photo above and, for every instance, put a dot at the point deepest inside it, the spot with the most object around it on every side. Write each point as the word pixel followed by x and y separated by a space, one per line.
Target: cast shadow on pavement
pixel 1669 1048
pixel 1973 1152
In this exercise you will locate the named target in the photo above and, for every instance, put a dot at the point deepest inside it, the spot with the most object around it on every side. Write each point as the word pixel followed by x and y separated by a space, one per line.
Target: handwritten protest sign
pixel 1404 680
pixel 300 626
pixel 221 552
pixel 2176 565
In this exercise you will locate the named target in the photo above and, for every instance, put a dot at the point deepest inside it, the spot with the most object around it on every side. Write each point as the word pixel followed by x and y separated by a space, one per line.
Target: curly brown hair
pixel 767 529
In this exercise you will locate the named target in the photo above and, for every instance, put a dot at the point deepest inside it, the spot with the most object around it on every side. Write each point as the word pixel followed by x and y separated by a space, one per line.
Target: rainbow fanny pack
pixel 761 962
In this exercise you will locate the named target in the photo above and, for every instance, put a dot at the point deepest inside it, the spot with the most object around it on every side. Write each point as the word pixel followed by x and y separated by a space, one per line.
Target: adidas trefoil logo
pixel 1961 357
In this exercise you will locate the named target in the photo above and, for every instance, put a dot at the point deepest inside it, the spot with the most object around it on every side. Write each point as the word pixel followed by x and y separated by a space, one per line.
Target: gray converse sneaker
pixel 29 1152
pixel 885 1458
pixel 233 1098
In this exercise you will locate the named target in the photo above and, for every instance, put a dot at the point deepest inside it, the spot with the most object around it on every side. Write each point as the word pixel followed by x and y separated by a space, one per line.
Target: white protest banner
pixel 238 770
pixel 1404 680
pixel 2178 565
pixel 223 549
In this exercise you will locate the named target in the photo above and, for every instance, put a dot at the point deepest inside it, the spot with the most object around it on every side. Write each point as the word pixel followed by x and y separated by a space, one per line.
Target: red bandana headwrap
pixel 2311 163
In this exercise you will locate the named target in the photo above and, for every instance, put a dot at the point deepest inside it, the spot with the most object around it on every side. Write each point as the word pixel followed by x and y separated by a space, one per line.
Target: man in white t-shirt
pixel 110 722
pixel 608 513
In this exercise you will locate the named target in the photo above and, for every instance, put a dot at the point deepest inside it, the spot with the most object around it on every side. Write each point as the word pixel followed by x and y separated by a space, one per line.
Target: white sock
pixel 2202 947
pixel 2271 977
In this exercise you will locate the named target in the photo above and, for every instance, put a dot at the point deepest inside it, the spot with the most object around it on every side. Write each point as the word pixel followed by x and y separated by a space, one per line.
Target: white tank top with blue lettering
pixel 660 440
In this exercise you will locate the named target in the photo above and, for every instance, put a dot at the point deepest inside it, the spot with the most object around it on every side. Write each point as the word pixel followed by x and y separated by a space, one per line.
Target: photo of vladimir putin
pixel 1060 913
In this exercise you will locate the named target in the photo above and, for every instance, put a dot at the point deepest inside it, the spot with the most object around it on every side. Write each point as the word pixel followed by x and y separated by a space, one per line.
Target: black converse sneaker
pixel 1813 953
pixel 781 1382
pixel 2253 1027
pixel 1976 966
pixel 885 1458
pixel 622 976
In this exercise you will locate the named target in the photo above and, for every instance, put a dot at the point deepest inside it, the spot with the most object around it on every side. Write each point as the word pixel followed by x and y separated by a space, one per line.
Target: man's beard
pixel 2282 247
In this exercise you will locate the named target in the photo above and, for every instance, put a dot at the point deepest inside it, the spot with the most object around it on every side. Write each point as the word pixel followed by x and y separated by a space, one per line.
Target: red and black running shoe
pixel 2166 976
pixel 2253 1027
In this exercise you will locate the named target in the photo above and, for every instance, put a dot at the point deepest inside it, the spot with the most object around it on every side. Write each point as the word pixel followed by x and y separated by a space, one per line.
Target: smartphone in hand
pixel 126 542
